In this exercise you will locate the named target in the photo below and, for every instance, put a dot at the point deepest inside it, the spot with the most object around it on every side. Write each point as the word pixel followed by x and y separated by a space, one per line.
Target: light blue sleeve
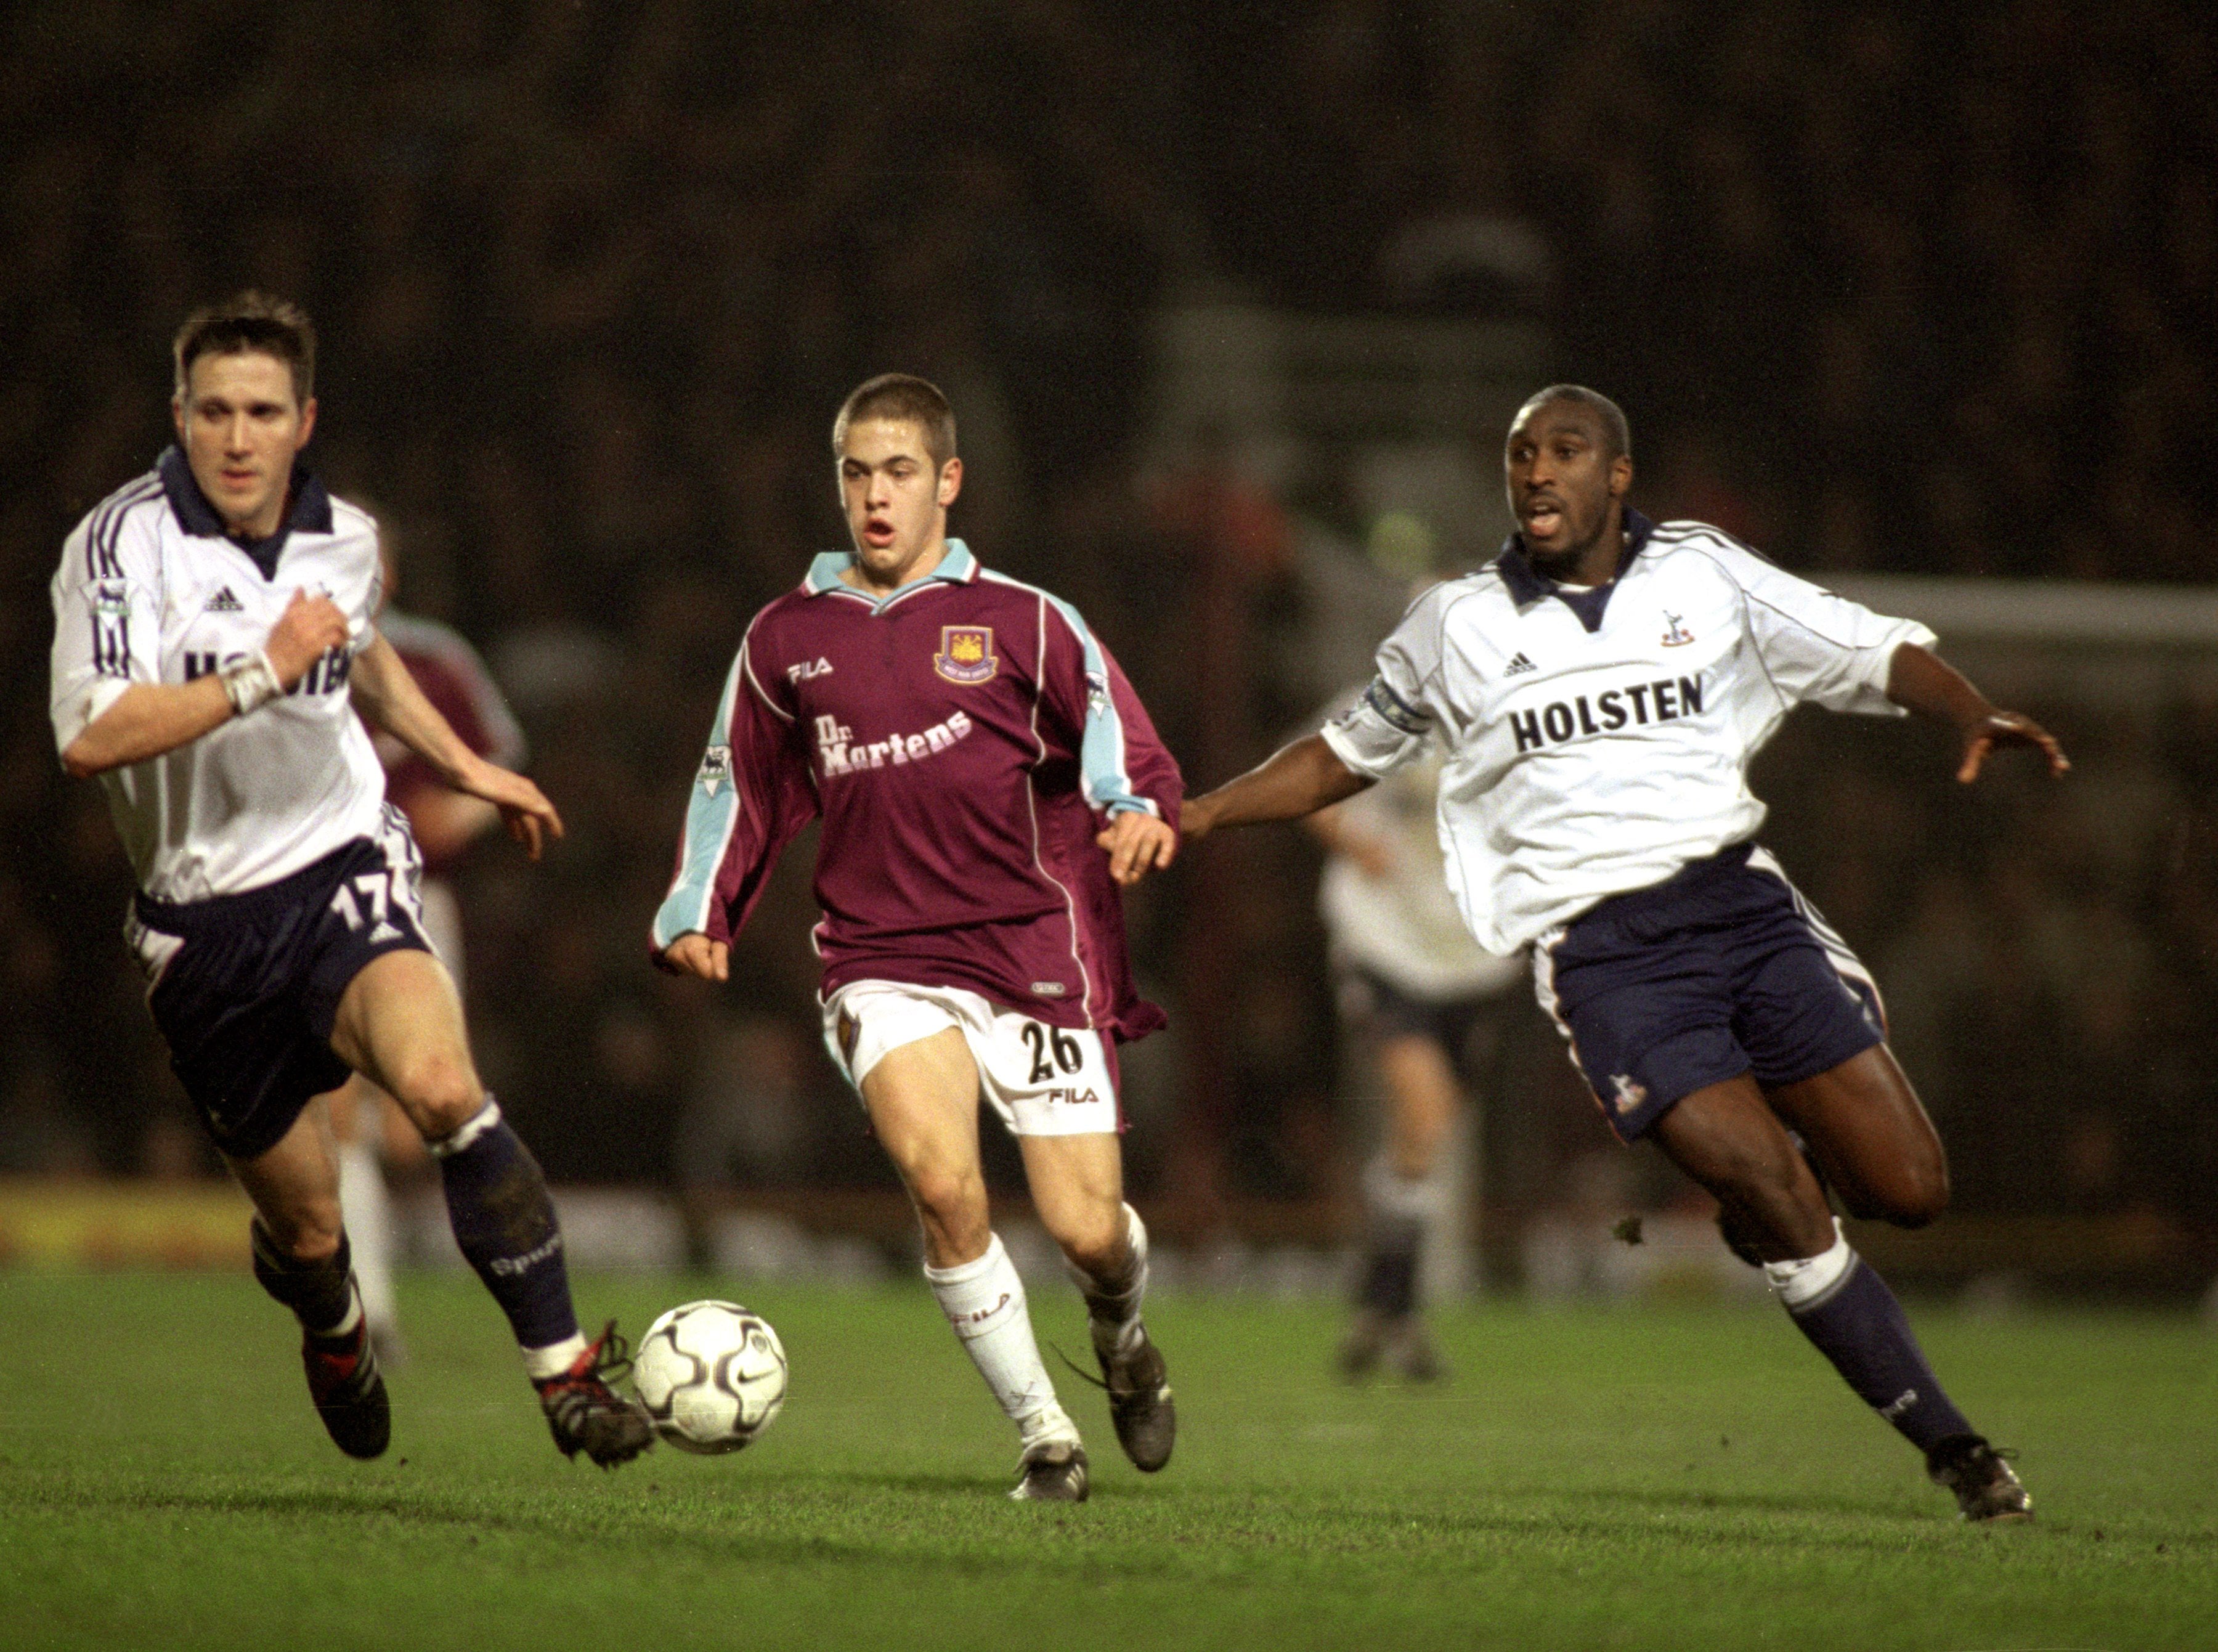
pixel 1103 753
pixel 711 812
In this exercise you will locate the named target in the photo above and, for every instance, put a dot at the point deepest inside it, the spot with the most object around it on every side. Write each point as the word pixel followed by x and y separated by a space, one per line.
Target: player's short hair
pixel 899 395
pixel 253 321
pixel 1613 416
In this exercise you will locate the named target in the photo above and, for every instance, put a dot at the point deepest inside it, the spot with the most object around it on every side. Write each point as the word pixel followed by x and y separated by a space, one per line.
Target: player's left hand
pixel 1137 844
pixel 2008 729
pixel 524 807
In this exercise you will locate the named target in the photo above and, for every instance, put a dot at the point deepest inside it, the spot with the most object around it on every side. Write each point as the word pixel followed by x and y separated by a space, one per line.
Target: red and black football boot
pixel 348 1390
pixel 585 1415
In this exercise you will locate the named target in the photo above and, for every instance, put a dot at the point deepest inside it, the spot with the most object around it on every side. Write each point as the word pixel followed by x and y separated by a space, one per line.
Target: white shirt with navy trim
pixel 1598 741
pixel 151 590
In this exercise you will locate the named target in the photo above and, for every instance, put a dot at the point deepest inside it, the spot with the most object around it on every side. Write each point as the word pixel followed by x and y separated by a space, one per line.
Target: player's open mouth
pixel 880 534
pixel 1543 519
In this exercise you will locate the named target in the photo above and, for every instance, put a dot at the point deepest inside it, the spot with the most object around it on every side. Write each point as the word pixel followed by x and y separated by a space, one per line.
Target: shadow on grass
pixel 1139 1535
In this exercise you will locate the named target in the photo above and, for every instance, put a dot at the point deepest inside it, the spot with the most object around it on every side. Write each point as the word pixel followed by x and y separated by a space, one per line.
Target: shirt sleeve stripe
pixel 1101 754
pixel 710 819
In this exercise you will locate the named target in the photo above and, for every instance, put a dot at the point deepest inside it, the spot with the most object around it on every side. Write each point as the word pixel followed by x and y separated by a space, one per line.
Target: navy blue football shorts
pixel 1469 1028
pixel 246 986
pixel 1720 969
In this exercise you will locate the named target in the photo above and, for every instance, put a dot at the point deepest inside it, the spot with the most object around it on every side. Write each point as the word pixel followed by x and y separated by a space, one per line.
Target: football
pixel 712 1375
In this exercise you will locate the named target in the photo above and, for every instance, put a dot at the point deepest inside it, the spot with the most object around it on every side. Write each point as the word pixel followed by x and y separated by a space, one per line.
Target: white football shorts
pixel 1041 1080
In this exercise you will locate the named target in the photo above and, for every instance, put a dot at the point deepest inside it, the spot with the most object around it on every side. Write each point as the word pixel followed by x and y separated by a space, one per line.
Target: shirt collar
pixel 959 566
pixel 1527 587
pixel 309 510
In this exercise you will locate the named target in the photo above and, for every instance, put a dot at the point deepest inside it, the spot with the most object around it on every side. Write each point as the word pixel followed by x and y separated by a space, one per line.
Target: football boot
pixel 348 1390
pixel 1054 1471
pixel 585 1415
pixel 1986 1486
pixel 1140 1403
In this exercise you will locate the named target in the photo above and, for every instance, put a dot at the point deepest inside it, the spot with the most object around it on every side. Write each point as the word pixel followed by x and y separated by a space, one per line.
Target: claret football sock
pixel 504 1223
pixel 1852 1318
pixel 1113 1304
pixel 320 1294
pixel 984 1302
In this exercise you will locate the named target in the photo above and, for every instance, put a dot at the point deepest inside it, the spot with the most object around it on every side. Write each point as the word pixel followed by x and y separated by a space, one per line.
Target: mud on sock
pixel 1112 1306
pixel 504 1225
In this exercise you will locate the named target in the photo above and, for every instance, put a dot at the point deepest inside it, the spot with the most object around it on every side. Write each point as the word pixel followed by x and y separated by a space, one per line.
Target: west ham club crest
pixel 966 653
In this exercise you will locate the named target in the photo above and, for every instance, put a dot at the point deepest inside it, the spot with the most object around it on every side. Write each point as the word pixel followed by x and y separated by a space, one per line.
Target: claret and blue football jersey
pixel 963 739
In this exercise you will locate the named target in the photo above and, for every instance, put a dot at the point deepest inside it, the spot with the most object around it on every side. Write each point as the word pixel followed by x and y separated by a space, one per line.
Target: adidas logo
pixel 224 603
pixel 383 932
pixel 1518 666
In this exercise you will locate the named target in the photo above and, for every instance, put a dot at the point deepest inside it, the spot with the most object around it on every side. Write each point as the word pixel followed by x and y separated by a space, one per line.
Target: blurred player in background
pixel 1601 688
pixel 1429 1002
pixel 214 641
pixel 983 772
pixel 374 1136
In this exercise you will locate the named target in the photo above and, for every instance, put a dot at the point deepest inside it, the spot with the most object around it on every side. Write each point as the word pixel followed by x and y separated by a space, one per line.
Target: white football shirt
pixel 1402 925
pixel 1599 741
pixel 151 590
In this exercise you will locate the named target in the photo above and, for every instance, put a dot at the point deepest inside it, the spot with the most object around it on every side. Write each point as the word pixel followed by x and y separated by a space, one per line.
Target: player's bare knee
pixel 1092 1237
pixel 949 1200
pixel 440 1095
pixel 307 1233
pixel 1916 1196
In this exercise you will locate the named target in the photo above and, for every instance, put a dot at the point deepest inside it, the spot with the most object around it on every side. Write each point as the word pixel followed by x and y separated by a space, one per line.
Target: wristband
pixel 250 683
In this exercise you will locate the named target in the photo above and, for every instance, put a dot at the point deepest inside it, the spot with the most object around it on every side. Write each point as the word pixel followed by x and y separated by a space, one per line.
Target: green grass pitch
pixel 1639 1477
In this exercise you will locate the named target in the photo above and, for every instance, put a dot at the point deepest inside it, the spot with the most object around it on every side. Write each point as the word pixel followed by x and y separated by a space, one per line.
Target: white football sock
pixel 369 1215
pixel 1112 1306
pixel 544 1364
pixel 984 1302
pixel 1812 1280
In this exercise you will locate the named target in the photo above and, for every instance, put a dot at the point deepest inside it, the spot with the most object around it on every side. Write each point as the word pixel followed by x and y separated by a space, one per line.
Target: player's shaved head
pixel 252 322
pixel 900 396
pixel 1617 434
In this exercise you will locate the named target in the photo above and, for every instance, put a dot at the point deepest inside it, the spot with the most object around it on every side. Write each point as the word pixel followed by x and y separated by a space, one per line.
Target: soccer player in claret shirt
pixel 985 775
pixel 213 639
pixel 1600 688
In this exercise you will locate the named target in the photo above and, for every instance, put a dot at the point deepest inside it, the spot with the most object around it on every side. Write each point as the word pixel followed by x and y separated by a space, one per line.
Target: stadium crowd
pixel 1882 289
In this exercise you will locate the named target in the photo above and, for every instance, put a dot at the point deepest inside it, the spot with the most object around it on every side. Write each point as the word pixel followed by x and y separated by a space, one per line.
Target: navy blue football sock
pixel 320 1294
pixel 505 1224
pixel 1860 1326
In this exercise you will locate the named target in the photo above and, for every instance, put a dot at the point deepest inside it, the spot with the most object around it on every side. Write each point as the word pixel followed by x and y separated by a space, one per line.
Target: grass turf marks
pixel 1596 1478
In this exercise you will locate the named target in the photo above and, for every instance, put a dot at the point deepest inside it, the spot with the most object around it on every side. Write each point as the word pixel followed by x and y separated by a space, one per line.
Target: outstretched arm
pixel 385 693
pixel 1298 780
pixel 1920 680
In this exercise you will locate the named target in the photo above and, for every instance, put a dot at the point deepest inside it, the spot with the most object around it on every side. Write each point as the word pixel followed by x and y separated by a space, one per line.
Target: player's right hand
pixel 310 628
pixel 694 953
pixel 2001 727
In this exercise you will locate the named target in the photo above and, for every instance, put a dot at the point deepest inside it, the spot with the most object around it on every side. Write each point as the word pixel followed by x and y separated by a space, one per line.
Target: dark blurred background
pixel 1233 302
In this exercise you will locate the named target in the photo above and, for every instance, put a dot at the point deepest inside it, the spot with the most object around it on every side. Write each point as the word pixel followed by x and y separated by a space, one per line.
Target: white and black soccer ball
pixel 711 1375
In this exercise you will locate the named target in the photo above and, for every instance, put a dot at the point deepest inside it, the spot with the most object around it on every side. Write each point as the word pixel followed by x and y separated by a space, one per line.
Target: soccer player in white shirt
pixel 214 639
pixel 1600 689
pixel 1430 1004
